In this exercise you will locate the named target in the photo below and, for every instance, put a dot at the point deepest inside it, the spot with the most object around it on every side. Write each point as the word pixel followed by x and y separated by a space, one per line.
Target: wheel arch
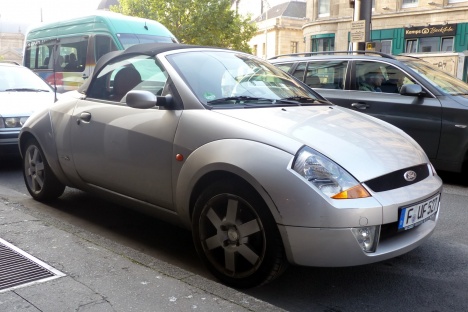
pixel 212 177
pixel 49 150
pixel 247 162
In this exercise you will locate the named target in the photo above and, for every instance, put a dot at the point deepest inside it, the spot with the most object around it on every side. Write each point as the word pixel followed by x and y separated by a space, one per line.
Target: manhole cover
pixel 19 269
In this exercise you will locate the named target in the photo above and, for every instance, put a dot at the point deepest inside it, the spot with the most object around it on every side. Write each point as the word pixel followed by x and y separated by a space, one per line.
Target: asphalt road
pixel 433 277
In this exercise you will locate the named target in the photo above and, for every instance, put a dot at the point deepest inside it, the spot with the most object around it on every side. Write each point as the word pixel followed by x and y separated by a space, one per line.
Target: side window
pixel 299 71
pixel 137 73
pixel 38 54
pixel 72 54
pixel 103 44
pixel 285 67
pixel 380 77
pixel 326 74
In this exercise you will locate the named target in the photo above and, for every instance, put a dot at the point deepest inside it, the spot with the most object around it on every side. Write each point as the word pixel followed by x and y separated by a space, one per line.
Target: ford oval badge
pixel 410 175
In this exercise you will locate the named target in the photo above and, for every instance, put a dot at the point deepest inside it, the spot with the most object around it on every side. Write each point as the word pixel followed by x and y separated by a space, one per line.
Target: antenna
pixel 146 27
pixel 54 71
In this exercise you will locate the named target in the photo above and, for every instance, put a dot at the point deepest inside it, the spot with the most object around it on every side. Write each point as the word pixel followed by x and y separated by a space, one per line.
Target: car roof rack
pixel 333 52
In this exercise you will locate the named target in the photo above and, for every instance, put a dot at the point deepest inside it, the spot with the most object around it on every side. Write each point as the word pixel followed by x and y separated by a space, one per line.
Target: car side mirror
pixel 145 99
pixel 411 89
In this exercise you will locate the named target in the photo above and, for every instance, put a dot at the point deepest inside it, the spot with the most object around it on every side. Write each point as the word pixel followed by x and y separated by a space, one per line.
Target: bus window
pixel 127 40
pixel 37 55
pixel 72 56
pixel 58 51
pixel 103 44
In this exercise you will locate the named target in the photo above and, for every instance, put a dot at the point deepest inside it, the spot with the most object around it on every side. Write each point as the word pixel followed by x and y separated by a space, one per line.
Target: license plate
pixel 418 213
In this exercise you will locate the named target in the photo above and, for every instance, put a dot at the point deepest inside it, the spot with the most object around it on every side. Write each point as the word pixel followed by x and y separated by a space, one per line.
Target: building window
pixel 456 1
pixel 411 46
pixel 264 50
pixel 386 46
pixel 294 45
pixel 429 44
pixel 324 7
pixel 323 44
pixel 447 44
pixel 255 50
pixel 409 3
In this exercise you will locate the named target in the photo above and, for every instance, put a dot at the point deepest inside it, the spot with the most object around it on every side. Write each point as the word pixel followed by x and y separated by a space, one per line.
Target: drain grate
pixel 19 269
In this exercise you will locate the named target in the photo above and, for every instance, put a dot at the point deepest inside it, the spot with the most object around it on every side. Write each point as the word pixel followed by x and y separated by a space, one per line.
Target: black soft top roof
pixel 149 49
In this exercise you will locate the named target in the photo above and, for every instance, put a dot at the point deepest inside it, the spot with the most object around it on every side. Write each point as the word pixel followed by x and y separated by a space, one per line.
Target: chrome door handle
pixel 85 116
pixel 361 106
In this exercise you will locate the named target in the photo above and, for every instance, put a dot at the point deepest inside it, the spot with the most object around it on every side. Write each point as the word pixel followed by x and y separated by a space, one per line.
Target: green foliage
pixel 201 22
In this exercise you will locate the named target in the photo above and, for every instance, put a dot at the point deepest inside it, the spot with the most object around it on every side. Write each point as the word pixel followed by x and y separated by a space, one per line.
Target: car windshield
pixel 444 82
pixel 21 79
pixel 224 79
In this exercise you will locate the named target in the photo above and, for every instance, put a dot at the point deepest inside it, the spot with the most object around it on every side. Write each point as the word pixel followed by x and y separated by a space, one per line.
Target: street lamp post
pixel 266 5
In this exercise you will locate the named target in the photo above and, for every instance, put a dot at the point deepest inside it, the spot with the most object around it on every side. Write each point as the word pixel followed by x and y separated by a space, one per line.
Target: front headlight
pixel 327 176
pixel 14 122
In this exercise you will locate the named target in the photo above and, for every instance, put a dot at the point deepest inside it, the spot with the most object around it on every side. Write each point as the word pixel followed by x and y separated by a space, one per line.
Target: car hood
pixel 365 146
pixel 15 104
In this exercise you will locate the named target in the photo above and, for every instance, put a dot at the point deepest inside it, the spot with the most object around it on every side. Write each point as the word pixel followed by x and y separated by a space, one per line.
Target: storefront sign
pixel 431 31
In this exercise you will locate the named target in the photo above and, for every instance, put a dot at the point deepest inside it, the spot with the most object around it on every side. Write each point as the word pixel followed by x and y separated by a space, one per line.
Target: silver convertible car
pixel 263 170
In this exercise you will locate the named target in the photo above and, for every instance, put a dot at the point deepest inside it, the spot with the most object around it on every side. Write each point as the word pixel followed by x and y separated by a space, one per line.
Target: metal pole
pixel 266 7
pixel 356 17
pixel 366 14
pixel 363 11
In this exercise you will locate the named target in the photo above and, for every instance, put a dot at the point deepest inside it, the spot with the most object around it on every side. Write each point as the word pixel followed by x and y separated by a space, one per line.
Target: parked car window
pixel 439 79
pixel 18 78
pixel 286 67
pixel 380 77
pixel 138 73
pixel 299 70
pixel 326 74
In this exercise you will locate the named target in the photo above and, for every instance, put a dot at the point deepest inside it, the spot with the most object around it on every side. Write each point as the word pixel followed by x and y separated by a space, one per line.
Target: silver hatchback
pixel 263 170
pixel 22 92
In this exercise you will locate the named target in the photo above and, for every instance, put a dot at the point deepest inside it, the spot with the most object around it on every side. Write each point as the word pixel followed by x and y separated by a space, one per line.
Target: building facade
pixel 435 30
pixel 11 45
pixel 279 25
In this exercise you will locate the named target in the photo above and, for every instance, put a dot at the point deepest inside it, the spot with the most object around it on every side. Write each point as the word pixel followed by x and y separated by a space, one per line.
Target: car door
pixel 419 116
pixel 123 149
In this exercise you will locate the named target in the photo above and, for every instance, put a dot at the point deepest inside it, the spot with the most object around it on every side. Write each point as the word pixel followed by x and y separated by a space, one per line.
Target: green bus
pixel 64 53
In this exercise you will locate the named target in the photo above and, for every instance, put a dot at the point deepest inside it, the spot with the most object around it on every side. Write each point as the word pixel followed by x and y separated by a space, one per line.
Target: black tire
pixel 40 181
pixel 236 236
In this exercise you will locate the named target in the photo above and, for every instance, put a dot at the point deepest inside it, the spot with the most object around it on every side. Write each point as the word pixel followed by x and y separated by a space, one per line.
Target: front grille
pixel 388 230
pixel 17 268
pixel 396 179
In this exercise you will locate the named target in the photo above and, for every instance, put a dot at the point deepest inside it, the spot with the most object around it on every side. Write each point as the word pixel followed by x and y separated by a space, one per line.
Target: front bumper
pixel 9 142
pixel 337 247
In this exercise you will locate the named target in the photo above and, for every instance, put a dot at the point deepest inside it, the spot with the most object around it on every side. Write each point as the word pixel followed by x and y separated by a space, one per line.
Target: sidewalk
pixel 101 275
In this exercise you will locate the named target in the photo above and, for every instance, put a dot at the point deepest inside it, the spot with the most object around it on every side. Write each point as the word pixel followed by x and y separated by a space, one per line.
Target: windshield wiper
pixel 239 99
pixel 27 90
pixel 303 100
pixel 246 100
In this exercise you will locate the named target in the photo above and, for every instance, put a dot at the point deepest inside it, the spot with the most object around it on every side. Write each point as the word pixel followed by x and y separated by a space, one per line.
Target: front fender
pixel 258 164
pixel 39 127
pixel 292 200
